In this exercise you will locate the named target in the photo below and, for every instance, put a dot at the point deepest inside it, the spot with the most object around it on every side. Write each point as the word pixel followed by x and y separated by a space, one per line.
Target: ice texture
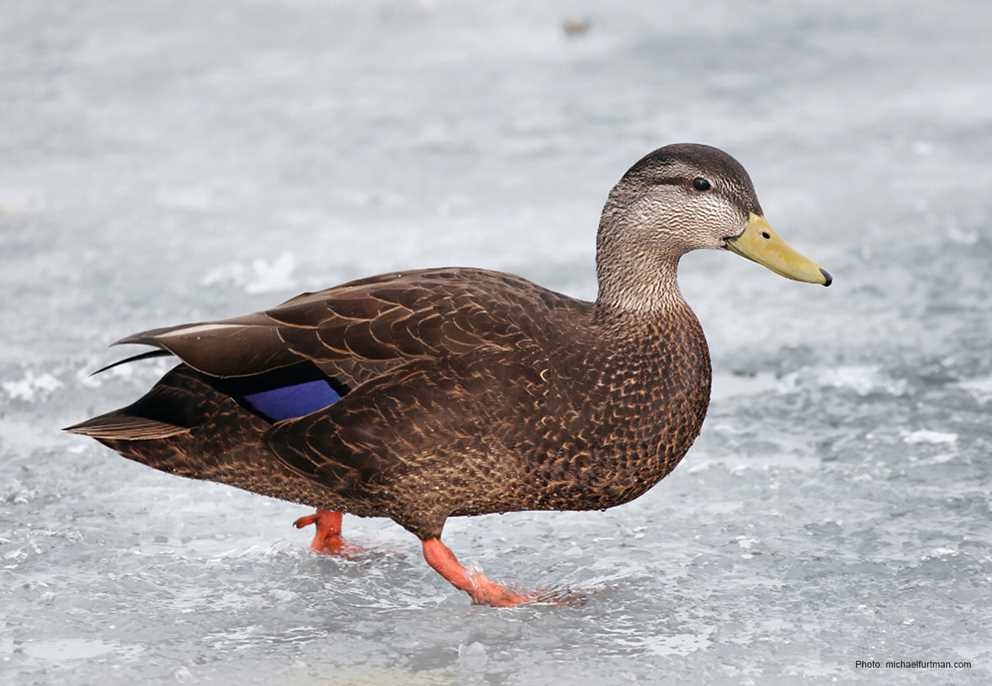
pixel 163 162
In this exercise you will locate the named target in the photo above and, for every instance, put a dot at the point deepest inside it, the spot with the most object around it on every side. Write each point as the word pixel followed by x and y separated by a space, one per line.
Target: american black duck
pixel 423 395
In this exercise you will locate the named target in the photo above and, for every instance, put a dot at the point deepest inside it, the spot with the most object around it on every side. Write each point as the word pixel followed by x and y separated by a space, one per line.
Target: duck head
pixel 686 197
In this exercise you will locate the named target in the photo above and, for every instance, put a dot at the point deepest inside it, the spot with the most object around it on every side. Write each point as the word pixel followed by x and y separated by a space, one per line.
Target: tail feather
pixel 125 427
pixel 134 358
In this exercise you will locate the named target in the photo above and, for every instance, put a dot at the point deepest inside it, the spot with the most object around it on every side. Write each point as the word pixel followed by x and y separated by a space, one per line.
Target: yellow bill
pixel 760 243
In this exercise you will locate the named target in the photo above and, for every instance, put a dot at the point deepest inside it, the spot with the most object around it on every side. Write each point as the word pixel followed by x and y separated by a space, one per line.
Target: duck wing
pixel 359 330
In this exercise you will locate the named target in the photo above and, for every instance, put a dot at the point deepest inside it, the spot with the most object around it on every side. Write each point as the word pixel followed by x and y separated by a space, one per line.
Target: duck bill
pixel 761 243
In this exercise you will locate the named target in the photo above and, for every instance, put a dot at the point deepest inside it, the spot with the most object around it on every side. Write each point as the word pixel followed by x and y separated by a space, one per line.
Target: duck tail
pixel 167 410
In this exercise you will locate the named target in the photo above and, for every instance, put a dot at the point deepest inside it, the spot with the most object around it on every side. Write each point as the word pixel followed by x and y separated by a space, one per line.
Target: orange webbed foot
pixel 482 590
pixel 488 592
pixel 327 539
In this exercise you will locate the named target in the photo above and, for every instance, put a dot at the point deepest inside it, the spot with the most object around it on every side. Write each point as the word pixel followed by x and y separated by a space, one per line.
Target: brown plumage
pixel 464 391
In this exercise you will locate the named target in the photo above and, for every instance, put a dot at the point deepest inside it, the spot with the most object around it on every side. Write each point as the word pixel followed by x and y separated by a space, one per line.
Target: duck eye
pixel 701 184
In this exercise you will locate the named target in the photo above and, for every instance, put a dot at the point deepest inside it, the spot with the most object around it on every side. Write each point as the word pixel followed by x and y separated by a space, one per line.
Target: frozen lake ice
pixel 166 162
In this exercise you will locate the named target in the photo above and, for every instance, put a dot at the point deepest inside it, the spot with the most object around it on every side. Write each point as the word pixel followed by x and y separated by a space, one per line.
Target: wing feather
pixel 364 328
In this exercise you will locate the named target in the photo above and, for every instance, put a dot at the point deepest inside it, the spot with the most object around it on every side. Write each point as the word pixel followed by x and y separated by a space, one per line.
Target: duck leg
pixel 482 590
pixel 327 539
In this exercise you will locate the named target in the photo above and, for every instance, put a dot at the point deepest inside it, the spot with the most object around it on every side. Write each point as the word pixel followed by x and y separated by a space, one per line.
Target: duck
pixel 450 392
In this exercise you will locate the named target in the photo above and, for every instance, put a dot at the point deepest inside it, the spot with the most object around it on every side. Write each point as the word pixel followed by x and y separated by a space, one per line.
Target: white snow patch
pixel 927 436
pixel 260 277
pixel 31 386
pixel 962 236
pixel 862 379
pixel 940 552
pixel 84 376
pixel 17 493
pixel 980 388
pixel 745 542
pixel 730 385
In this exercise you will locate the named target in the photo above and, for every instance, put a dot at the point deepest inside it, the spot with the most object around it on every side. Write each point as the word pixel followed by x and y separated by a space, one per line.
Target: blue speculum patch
pixel 294 400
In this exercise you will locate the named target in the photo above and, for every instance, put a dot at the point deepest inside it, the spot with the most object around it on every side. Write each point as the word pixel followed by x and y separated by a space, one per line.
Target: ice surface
pixel 166 162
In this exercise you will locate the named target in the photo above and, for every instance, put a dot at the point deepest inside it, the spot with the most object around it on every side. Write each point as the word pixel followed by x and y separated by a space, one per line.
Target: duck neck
pixel 633 279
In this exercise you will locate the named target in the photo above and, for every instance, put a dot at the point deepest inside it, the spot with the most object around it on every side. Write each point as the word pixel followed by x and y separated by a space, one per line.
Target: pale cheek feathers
pixel 704 221
pixel 673 220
